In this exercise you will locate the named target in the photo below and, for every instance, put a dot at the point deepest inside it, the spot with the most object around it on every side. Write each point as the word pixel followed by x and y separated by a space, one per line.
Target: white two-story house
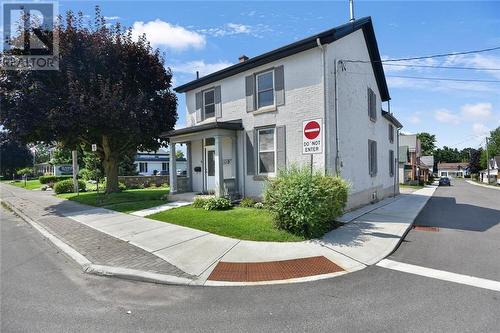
pixel 245 122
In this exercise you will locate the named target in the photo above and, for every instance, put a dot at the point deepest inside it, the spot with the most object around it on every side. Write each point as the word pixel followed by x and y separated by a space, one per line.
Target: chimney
pixel 351 10
pixel 197 75
pixel 243 58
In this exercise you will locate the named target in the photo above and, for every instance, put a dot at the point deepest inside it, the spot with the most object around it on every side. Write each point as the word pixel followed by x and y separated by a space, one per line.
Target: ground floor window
pixel 391 163
pixel 143 167
pixel 164 166
pixel 266 143
pixel 372 157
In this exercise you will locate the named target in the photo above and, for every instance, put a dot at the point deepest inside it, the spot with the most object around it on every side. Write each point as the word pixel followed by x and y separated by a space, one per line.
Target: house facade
pixel 494 174
pixel 453 170
pixel 412 169
pixel 149 163
pixel 245 122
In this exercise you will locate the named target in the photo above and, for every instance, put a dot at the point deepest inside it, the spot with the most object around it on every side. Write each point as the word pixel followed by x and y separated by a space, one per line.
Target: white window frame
pixel 204 105
pixel 144 167
pixel 266 151
pixel 257 90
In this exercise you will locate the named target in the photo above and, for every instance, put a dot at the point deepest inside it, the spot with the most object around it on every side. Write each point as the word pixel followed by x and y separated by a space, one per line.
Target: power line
pixel 429 56
pixel 443 79
pixel 444 54
pixel 445 67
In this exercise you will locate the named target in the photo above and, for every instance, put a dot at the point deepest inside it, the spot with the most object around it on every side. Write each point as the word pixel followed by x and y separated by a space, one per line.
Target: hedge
pixel 66 186
pixel 303 203
pixel 52 179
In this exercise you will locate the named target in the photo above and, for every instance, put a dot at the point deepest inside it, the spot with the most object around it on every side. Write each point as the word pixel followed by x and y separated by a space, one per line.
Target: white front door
pixel 210 169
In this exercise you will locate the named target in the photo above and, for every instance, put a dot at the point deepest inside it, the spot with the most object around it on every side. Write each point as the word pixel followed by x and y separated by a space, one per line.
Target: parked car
pixel 444 181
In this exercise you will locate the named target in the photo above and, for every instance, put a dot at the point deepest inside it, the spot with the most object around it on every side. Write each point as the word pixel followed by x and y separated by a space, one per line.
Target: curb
pixel 409 227
pixel 101 270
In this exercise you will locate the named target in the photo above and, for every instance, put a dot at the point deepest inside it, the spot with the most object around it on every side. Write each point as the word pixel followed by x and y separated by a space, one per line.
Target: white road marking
pixel 441 275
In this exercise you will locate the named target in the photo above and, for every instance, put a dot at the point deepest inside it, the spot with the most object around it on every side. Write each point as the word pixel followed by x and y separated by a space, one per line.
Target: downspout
pixel 337 141
pixel 325 106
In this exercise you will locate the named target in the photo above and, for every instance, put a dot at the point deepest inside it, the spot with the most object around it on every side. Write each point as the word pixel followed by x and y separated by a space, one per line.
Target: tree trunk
pixel 110 166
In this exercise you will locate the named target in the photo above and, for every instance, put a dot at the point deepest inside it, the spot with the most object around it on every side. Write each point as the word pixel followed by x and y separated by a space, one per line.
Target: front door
pixel 210 169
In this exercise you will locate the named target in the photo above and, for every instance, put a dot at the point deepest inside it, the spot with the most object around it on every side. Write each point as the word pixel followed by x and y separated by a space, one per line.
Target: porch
pixel 212 158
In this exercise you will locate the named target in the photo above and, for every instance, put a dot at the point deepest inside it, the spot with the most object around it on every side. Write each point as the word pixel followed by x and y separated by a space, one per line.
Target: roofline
pixel 325 37
pixel 392 119
pixel 229 125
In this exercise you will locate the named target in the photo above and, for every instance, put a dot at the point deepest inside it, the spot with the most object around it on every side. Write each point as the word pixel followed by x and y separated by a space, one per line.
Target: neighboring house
pixel 453 170
pixel 54 170
pixel 149 163
pixel 494 172
pixel 428 161
pixel 412 169
pixel 245 122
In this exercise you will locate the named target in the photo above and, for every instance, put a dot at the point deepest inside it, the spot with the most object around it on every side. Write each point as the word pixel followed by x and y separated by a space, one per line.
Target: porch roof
pixel 236 125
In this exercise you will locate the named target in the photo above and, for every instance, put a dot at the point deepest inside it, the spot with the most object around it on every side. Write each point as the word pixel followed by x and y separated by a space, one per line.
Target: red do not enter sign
pixel 312 130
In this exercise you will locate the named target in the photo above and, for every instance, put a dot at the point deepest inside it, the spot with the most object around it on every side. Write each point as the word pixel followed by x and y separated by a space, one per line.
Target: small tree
pixel 13 155
pixel 110 90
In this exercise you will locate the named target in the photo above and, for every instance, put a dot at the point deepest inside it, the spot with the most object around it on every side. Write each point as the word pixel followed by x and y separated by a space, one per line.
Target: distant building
pixel 157 162
pixel 494 173
pixel 411 168
pixel 453 170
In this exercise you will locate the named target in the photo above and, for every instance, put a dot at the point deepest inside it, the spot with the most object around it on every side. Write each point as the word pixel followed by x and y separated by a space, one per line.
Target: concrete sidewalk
pixel 368 238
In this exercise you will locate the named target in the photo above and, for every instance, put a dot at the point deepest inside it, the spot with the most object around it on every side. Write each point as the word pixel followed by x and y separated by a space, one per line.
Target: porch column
pixel 219 168
pixel 234 141
pixel 173 169
pixel 189 166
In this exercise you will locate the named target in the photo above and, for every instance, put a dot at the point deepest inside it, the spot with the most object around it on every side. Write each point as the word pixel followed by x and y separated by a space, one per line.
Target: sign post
pixel 312 138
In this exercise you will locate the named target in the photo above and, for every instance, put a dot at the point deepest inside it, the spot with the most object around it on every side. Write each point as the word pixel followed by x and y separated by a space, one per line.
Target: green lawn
pixel 30 184
pixel 242 223
pixel 126 201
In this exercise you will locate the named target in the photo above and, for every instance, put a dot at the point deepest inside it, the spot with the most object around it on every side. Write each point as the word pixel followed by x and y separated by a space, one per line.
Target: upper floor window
pixel 372 105
pixel 265 89
pixel 209 104
pixel 266 150
pixel 391 133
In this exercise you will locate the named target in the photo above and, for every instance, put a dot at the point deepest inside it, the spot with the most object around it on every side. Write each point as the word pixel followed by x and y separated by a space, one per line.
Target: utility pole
pixel 74 156
pixel 487 160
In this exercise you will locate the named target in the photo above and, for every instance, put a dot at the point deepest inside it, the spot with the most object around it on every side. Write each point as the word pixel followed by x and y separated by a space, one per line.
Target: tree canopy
pixel 109 90
pixel 427 143
pixel 13 155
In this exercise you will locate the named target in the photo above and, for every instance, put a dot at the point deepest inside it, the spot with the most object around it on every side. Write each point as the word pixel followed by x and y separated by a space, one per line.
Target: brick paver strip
pixel 103 249
pixel 425 228
pixel 273 270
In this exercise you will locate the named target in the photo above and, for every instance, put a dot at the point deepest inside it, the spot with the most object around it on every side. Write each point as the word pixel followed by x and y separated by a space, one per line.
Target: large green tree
pixel 109 90
pixel 427 143
pixel 493 146
pixel 13 155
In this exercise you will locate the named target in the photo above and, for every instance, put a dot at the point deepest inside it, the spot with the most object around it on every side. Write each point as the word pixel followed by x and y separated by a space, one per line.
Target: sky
pixel 208 36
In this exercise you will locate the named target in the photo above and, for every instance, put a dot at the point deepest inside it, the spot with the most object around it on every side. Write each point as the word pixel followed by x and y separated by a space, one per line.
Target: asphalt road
pixel 43 291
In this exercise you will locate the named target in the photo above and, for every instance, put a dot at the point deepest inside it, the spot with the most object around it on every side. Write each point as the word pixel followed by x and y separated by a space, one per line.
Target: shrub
pixel 52 179
pixel 122 186
pixel 247 202
pixel 25 171
pixel 217 204
pixel 303 203
pixel 199 202
pixel 259 205
pixel 66 186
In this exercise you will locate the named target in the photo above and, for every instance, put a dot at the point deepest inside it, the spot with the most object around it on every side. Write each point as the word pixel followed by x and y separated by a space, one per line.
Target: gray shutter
pixel 375 157
pixel 279 85
pixel 218 102
pixel 280 147
pixel 198 102
pixel 370 161
pixel 250 149
pixel 250 92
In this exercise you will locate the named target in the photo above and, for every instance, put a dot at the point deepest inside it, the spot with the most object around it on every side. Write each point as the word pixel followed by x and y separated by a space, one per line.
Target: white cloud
pixel 477 110
pixel 476 60
pixel 160 33
pixel 111 18
pixel 480 129
pixel 414 119
pixel 199 65
pixel 230 29
pixel 446 116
